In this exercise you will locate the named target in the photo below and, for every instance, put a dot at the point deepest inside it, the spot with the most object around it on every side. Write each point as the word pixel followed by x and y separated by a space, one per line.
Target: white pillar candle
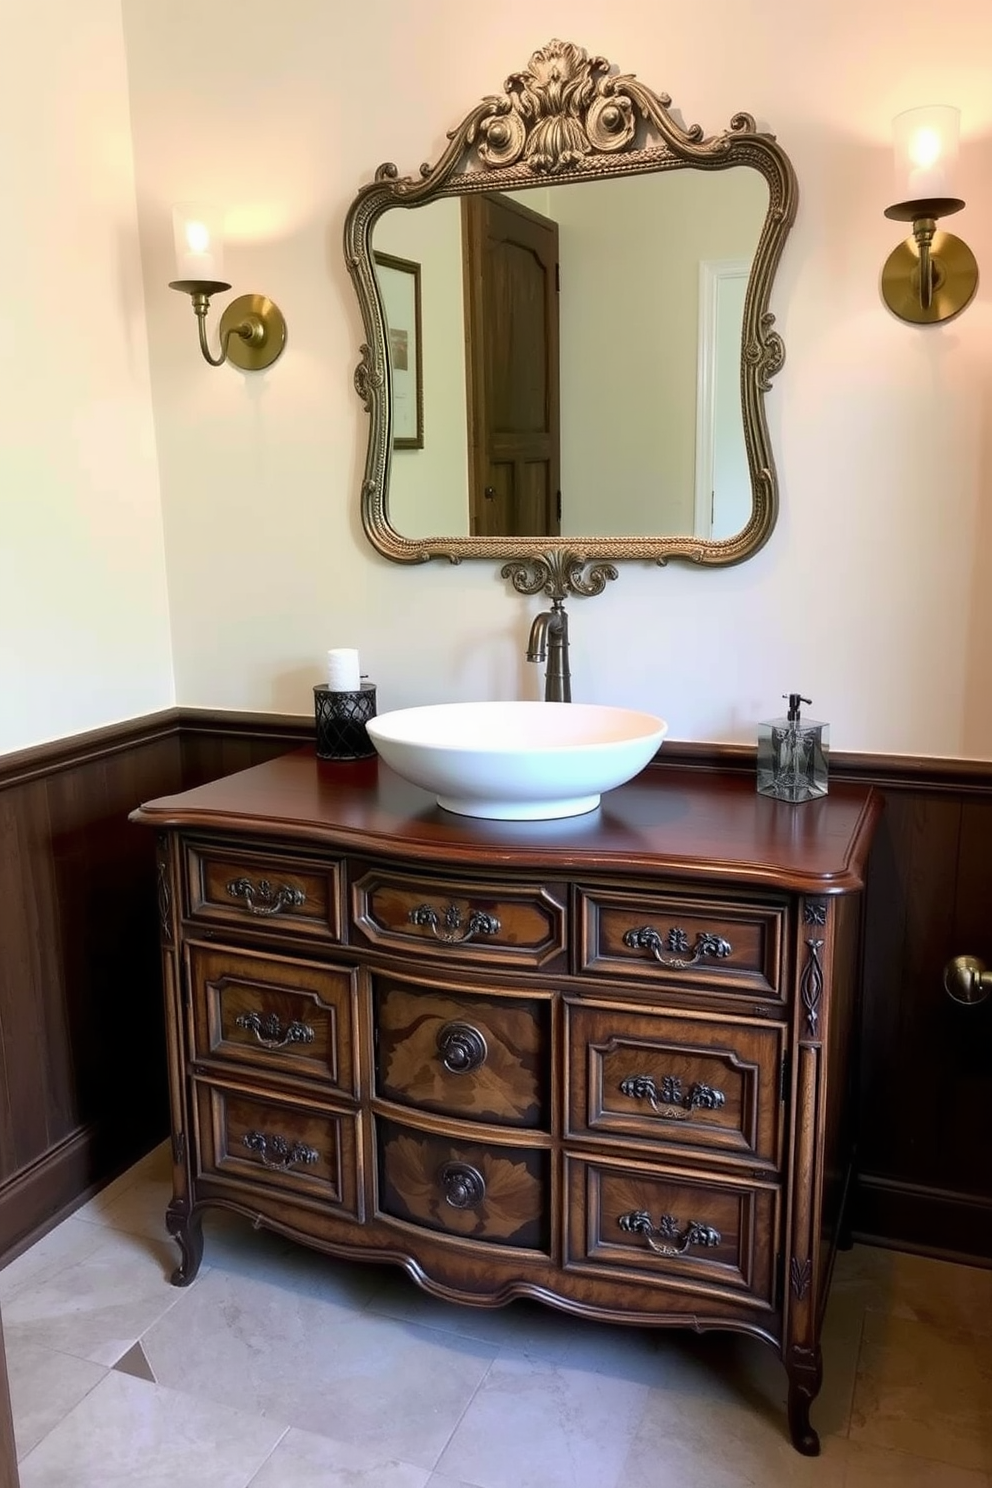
pixel 342 670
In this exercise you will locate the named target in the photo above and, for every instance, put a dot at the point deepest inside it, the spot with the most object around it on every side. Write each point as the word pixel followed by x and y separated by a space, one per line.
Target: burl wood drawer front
pixel 475 1190
pixel 282 1145
pixel 520 925
pixel 647 1222
pixel 696 943
pixel 260 890
pixel 278 1016
pixel 689 1083
pixel 484 1057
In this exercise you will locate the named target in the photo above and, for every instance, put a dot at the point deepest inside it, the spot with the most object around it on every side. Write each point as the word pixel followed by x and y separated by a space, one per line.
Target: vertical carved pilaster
pixel 177 1214
pixel 164 891
pixel 811 982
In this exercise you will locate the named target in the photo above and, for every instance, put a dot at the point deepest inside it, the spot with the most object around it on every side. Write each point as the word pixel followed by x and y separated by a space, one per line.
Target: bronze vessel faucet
pixel 549 639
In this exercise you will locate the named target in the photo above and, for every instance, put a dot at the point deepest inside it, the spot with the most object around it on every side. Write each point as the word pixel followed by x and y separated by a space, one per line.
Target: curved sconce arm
pixel 252 327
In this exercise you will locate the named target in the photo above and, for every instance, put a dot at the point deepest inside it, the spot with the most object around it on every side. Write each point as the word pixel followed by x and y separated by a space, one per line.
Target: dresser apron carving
pixel 610 1074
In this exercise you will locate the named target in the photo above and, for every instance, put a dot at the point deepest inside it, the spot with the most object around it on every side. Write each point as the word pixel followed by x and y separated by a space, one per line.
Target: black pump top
pixel 794 701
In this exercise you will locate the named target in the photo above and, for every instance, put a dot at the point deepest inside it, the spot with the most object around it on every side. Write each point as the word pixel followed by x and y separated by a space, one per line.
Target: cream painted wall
pixel 872 595
pixel 84 619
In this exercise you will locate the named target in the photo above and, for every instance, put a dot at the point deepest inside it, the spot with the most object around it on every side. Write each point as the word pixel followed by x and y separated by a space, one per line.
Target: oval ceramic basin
pixel 517 761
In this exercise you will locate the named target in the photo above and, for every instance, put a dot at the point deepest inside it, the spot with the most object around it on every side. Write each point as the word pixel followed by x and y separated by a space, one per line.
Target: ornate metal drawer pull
pixel 638 1222
pixel 446 927
pixel 269 1031
pixel 669 1102
pixel 648 939
pixel 269 900
pixel 462 1047
pixel 284 1155
pixel 463 1186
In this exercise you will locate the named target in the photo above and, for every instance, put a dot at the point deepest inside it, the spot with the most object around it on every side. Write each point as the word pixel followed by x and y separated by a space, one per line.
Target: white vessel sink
pixel 517 761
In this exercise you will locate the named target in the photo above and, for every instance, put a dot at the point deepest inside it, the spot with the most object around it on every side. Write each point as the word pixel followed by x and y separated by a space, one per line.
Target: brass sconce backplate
pixel 955 279
pixel 954 271
pixel 266 324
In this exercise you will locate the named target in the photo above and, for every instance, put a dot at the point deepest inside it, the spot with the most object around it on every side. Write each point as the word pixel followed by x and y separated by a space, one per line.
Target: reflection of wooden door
pixel 511 338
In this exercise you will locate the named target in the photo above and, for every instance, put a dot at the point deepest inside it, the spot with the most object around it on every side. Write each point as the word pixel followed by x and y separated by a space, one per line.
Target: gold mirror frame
pixel 569 117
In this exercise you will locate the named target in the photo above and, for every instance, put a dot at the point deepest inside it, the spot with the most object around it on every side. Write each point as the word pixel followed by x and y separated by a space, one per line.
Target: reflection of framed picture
pixel 399 281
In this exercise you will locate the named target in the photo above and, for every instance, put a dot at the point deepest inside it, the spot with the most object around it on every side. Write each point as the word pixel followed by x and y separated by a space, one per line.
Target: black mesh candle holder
pixel 341 719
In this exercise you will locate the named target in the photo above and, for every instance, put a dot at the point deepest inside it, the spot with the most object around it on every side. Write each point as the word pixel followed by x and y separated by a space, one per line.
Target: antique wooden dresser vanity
pixel 603 1062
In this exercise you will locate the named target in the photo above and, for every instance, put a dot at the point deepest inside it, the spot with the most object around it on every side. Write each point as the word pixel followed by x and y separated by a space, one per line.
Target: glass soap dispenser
pixel 792 755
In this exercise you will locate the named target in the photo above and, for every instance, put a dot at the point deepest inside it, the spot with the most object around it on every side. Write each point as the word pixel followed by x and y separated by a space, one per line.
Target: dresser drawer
pixel 261 890
pixel 478 1191
pixel 690 1084
pixel 471 921
pixel 481 1056
pixel 277 1016
pixel 699 943
pixel 645 1222
pixel 279 1144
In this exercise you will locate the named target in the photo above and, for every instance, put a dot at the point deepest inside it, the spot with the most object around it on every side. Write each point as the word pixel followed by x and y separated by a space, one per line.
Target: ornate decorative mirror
pixel 556 375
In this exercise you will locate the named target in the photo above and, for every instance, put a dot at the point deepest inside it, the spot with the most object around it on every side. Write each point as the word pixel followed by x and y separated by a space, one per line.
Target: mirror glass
pixel 646 276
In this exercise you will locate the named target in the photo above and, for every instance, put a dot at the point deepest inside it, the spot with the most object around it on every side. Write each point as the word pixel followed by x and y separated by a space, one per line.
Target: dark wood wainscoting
pixel 925 1159
pixel 80 1037
pixel 81 1043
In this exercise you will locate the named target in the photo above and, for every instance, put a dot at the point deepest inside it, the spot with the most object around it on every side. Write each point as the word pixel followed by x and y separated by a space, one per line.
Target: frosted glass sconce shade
pixel 926 153
pixel 198 234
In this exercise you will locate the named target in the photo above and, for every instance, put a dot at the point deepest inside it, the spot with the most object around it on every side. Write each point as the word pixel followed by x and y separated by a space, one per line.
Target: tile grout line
pixel 65 1416
pixel 451 1435
pixel 268 1458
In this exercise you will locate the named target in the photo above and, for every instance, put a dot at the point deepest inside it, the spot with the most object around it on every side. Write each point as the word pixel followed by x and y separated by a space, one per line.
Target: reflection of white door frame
pixel 711 272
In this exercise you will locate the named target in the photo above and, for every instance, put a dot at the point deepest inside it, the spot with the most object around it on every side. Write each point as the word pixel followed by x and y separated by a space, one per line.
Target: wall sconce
pixel 252 328
pixel 932 275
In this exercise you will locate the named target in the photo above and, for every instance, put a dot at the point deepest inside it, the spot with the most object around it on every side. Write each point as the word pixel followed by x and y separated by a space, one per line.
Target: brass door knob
pixel 967 980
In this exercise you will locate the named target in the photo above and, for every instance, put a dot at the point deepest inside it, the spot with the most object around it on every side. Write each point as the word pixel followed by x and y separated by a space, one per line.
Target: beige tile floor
pixel 279 1368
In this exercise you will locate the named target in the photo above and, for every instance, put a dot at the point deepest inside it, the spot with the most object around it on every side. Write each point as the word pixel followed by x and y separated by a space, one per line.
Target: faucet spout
pixel 549 639
pixel 537 646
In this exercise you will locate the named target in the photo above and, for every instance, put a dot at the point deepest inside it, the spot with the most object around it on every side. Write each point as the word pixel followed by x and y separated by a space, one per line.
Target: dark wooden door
pixel 511 338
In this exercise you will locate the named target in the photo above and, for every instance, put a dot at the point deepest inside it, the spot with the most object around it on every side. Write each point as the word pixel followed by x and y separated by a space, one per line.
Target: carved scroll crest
pixel 558 574
pixel 556 111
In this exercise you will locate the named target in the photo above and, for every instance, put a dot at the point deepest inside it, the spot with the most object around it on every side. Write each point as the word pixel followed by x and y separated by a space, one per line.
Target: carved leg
pixel 805 1370
pixel 186 1227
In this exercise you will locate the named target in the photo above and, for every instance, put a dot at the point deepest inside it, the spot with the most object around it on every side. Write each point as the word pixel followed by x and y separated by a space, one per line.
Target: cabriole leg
pixel 805 1370
pixel 186 1227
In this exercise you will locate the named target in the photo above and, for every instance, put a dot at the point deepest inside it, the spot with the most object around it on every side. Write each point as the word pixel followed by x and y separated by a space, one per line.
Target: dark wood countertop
pixel 667 821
